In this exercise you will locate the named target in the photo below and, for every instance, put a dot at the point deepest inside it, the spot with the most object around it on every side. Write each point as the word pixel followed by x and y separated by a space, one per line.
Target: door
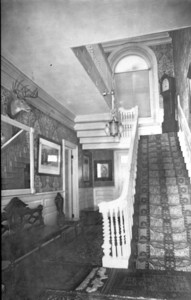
pixel 121 167
pixel 70 180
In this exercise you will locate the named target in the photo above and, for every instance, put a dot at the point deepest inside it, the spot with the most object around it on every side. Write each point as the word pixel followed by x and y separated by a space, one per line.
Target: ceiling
pixel 37 37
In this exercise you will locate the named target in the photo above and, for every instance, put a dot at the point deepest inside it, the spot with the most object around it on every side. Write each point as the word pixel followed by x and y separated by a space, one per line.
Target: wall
pixel 103 155
pixel 93 192
pixel 181 40
pixel 164 56
pixel 46 187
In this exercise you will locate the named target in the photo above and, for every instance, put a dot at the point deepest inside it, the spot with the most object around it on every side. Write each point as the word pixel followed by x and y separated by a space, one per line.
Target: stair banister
pixel 118 214
pixel 184 136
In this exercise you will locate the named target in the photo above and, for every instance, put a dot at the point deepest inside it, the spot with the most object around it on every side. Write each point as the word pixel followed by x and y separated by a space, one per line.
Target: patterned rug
pixel 107 284
pixel 162 211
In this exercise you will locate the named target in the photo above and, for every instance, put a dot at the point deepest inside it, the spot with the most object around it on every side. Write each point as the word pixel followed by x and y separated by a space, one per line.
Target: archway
pixel 148 56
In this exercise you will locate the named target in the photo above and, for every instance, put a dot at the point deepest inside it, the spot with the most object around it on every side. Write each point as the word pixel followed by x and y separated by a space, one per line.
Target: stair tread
pixel 162 210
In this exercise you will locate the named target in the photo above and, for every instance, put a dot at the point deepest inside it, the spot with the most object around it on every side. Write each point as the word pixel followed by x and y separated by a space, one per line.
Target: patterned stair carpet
pixel 162 210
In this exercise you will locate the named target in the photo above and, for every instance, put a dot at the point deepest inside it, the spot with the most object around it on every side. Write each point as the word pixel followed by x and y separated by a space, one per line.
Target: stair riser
pixel 162 211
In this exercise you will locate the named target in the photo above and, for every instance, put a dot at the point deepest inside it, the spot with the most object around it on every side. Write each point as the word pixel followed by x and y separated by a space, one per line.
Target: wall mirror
pixel 17 158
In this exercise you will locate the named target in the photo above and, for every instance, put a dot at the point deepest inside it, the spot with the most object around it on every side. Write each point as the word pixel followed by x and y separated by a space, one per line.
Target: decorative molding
pixel 116 145
pixel 149 56
pixel 93 118
pixel 90 64
pixel 149 40
pixel 44 102
pixel 99 58
pixel 91 133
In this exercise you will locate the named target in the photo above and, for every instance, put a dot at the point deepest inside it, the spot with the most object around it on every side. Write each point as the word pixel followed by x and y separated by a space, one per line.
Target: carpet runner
pixel 162 210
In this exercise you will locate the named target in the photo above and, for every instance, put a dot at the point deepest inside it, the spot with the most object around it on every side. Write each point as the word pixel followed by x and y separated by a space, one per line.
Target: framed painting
pixel 86 168
pixel 49 157
pixel 103 170
pixel 86 178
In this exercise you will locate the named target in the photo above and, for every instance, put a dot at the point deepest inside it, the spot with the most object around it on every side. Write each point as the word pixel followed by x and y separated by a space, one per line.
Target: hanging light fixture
pixel 113 127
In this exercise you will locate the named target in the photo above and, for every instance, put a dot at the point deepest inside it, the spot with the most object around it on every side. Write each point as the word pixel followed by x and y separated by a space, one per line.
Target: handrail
pixel 184 137
pixel 118 214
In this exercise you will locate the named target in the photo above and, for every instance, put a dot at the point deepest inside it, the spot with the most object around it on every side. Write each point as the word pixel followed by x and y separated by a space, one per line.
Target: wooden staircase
pixel 162 210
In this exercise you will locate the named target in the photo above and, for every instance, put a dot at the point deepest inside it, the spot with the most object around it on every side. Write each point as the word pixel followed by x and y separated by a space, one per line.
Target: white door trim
pixel 74 207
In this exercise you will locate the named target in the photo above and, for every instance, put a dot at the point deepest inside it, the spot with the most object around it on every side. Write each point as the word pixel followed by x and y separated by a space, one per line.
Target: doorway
pixel 70 180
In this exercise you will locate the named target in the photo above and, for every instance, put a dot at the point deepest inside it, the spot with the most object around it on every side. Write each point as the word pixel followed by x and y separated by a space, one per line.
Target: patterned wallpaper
pixel 164 56
pixel 181 40
pixel 48 127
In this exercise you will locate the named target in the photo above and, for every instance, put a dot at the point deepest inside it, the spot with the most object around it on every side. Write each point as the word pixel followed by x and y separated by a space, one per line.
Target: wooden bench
pixel 23 230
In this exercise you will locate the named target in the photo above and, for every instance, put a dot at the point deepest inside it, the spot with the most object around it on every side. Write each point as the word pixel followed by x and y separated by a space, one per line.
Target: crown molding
pixel 149 40
pixel 44 102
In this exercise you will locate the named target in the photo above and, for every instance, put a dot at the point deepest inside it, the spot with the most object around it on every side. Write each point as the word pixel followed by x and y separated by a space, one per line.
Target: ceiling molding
pixel 44 102
pixel 93 118
pixel 149 40
pixel 90 64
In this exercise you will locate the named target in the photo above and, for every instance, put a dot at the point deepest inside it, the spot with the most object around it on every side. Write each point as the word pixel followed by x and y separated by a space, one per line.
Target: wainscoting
pixel 45 199
pixel 103 194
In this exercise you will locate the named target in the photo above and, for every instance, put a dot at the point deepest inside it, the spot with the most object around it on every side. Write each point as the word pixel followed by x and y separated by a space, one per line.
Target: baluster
pixel 106 235
pixel 117 233
pixel 122 232
pixel 113 247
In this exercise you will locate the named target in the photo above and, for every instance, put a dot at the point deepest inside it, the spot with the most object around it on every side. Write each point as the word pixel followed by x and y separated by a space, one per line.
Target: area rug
pixel 104 283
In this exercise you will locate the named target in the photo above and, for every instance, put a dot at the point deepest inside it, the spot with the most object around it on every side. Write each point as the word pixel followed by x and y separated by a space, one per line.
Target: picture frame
pixel 86 168
pixel 103 170
pixel 86 175
pixel 49 157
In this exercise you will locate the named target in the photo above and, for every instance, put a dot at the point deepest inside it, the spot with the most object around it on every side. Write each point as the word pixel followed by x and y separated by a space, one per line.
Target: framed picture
pixel 86 168
pixel 103 170
pixel 86 178
pixel 49 157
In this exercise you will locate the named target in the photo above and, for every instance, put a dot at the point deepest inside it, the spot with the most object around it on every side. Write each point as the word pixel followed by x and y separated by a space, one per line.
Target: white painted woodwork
pixel 44 102
pixel 93 118
pixel 91 133
pixel 31 148
pixel 149 40
pixel 118 214
pixel 46 199
pixel 103 194
pixel 90 126
pixel 120 145
pixel 105 139
pixel 149 129
pixel 121 158
pixel 73 189
pixel 184 135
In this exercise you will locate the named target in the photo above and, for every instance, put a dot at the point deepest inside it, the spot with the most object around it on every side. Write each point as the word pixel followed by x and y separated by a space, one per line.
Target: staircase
pixel 161 233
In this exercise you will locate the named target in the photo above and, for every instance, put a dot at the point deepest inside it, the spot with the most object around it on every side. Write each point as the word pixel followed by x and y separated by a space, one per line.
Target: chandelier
pixel 114 127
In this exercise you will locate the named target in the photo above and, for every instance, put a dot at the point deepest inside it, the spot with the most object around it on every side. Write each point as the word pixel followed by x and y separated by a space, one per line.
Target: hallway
pixel 58 265
pixel 72 271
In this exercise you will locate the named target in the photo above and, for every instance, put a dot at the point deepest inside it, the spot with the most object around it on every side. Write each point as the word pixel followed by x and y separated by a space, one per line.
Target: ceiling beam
pixel 95 63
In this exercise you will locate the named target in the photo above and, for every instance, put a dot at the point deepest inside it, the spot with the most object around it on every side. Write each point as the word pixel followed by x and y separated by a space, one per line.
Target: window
pixel 131 63
pixel 132 84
